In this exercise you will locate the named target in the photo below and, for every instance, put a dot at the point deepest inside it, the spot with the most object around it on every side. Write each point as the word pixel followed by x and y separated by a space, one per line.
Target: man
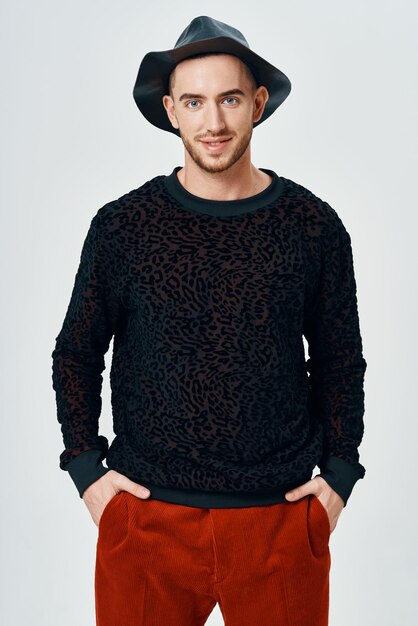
pixel 207 279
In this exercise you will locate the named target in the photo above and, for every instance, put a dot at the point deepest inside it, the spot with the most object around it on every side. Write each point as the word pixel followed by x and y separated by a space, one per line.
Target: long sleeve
pixel 336 364
pixel 91 319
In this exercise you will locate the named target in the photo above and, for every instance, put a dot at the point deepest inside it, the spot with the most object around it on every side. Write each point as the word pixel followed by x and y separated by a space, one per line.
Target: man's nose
pixel 214 120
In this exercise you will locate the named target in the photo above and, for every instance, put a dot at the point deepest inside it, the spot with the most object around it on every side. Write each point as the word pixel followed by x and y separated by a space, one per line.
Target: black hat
pixel 203 34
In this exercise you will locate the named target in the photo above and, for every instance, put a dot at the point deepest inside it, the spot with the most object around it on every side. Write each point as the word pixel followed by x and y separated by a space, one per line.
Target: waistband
pixel 221 499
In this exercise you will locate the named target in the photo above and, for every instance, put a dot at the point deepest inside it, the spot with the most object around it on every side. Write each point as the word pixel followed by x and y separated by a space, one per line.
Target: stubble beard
pixel 217 163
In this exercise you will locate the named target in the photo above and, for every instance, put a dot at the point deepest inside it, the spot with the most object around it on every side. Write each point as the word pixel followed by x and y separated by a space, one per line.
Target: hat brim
pixel 152 80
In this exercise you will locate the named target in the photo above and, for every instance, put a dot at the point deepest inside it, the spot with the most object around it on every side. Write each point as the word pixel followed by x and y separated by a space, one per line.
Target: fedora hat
pixel 203 34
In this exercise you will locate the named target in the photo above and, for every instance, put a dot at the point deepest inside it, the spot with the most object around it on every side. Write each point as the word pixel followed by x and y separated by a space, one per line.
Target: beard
pixel 217 162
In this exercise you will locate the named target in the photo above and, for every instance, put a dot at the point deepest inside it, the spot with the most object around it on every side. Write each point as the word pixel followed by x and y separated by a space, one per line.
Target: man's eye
pixel 196 102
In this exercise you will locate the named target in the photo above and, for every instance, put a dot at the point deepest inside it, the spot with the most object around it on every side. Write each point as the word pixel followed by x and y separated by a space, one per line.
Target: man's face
pixel 214 98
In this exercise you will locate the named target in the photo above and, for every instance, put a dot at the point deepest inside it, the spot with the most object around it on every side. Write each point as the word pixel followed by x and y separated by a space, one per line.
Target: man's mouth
pixel 214 144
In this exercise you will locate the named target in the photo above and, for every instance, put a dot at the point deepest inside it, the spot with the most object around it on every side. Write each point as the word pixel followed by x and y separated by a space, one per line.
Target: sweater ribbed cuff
pixel 341 475
pixel 86 468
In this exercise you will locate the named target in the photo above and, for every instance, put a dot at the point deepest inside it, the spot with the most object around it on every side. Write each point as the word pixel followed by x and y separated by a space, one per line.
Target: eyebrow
pixel 186 96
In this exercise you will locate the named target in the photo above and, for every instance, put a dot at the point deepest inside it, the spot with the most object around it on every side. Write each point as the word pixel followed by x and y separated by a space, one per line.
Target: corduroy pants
pixel 165 564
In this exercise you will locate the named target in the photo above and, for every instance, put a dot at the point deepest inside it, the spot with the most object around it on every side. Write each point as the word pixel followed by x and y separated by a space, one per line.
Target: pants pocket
pixel 114 521
pixel 324 513
pixel 107 509
pixel 318 525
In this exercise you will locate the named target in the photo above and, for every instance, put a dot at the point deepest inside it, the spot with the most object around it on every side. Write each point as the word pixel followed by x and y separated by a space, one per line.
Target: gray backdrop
pixel 73 139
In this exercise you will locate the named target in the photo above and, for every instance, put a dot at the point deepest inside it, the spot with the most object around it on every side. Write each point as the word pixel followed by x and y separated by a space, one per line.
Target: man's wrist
pixel 86 468
pixel 341 475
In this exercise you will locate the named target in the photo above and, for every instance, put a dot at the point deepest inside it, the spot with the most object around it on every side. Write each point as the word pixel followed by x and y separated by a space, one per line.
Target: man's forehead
pixel 198 81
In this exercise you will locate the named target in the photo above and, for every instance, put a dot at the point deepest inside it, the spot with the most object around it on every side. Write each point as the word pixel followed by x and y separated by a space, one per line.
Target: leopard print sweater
pixel 207 302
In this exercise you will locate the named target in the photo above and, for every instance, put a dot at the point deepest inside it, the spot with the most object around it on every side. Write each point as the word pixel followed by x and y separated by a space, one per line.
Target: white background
pixel 73 139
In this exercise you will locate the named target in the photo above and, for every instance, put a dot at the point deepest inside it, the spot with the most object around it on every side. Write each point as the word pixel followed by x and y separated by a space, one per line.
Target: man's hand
pixel 331 500
pixel 99 493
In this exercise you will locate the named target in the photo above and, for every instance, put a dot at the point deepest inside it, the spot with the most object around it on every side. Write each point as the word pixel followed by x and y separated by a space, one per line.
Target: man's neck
pixel 234 183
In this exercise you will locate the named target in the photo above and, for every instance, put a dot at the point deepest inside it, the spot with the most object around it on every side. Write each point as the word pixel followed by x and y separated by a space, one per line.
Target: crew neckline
pixel 221 208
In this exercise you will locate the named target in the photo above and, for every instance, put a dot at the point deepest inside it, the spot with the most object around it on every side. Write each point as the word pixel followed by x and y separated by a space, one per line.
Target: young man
pixel 207 279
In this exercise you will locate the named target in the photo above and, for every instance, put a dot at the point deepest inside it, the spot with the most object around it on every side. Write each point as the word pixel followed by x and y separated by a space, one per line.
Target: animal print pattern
pixel 210 385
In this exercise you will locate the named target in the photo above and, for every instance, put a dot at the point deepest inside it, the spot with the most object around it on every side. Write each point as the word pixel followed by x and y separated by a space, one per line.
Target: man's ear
pixel 169 107
pixel 260 102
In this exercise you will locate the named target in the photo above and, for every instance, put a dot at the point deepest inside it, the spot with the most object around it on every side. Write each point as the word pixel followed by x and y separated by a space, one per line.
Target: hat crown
pixel 204 27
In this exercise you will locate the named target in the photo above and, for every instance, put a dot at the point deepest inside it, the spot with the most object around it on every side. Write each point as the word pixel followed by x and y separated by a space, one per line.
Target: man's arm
pixel 336 364
pixel 92 317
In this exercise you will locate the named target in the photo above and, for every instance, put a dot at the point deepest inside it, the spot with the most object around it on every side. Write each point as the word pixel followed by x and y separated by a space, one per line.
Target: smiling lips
pixel 215 145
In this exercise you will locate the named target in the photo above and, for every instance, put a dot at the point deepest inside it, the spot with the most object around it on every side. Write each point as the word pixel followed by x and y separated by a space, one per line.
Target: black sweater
pixel 207 301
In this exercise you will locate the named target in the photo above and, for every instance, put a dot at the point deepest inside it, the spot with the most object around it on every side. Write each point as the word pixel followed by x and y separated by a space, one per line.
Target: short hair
pixel 202 55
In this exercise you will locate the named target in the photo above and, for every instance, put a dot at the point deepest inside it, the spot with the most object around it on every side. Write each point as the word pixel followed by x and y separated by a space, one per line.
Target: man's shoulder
pixel 319 215
pixel 122 206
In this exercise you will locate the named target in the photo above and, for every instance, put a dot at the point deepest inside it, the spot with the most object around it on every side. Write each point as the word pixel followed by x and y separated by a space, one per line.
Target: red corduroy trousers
pixel 165 564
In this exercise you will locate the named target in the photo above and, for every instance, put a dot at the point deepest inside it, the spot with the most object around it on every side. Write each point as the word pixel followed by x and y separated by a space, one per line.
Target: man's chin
pixel 215 166
pixel 214 163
